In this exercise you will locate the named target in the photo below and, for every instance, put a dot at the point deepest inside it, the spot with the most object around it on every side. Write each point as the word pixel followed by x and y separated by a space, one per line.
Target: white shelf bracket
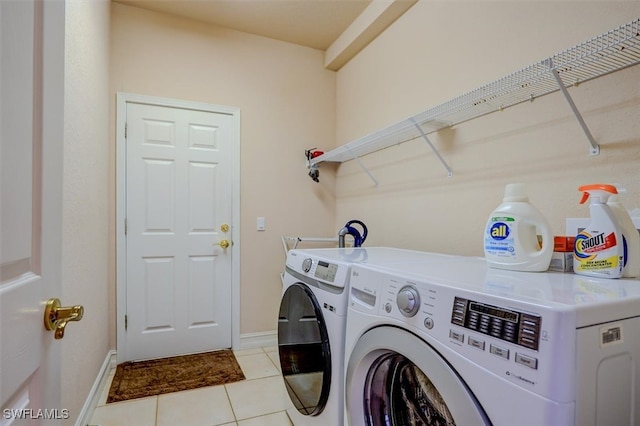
pixel 595 148
pixel 364 168
pixel 433 148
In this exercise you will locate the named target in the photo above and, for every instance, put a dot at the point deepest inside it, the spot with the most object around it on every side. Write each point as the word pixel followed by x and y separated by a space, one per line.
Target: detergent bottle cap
pixel 516 192
pixel 599 193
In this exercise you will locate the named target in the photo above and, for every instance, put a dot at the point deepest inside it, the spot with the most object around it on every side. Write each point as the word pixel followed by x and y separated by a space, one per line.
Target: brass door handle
pixel 223 243
pixel 56 316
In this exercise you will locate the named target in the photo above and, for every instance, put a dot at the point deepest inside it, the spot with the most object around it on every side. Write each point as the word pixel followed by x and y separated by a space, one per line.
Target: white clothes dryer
pixel 311 327
pixel 450 341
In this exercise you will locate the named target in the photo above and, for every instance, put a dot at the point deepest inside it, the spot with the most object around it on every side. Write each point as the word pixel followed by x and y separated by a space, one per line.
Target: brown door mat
pixel 138 379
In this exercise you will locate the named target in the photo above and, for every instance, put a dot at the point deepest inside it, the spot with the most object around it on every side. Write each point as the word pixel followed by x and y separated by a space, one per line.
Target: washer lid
pixel 369 255
pixel 594 300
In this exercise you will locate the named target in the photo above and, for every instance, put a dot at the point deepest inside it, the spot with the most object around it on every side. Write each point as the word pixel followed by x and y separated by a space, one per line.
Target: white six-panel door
pixel 178 201
pixel 31 119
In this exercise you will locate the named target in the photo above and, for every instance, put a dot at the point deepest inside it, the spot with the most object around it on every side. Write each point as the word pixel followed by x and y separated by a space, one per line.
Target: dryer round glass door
pixel 405 382
pixel 304 351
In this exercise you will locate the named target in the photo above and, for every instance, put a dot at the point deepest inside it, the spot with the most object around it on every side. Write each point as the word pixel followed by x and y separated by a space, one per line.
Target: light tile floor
pixel 260 400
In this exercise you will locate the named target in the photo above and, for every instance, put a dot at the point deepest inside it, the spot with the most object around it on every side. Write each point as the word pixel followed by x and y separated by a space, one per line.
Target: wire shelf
pixel 613 51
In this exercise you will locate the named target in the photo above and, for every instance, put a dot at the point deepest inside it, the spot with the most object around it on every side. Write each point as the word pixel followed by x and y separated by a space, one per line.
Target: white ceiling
pixel 312 23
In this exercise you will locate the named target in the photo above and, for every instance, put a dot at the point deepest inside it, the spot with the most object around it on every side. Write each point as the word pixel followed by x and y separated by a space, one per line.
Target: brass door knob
pixel 223 243
pixel 56 316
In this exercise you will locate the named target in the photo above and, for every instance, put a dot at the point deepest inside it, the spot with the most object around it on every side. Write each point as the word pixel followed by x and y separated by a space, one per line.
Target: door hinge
pixel 125 130
pixel 125 226
pixel 126 321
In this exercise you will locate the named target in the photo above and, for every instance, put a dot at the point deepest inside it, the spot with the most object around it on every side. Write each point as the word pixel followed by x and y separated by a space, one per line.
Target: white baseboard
pixel 96 390
pixel 258 340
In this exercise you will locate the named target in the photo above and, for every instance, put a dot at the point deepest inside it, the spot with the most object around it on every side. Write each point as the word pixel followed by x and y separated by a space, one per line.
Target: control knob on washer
pixel 408 301
pixel 306 264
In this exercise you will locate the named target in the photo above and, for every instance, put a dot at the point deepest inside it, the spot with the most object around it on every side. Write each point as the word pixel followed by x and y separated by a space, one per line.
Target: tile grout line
pixel 157 408
pixel 226 392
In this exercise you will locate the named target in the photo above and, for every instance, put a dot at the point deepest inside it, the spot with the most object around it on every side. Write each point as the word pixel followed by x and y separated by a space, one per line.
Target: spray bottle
pixel 599 250
pixel 630 237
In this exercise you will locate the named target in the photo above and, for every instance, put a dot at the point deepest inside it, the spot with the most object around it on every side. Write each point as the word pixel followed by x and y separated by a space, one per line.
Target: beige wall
pixel 85 250
pixel 439 50
pixel 287 104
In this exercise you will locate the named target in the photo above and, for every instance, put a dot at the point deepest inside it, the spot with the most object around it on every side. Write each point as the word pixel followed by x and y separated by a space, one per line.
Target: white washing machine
pixel 311 327
pixel 450 341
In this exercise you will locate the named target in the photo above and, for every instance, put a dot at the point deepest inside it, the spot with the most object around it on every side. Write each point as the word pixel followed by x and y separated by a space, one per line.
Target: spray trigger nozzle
pixel 585 197
pixel 600 193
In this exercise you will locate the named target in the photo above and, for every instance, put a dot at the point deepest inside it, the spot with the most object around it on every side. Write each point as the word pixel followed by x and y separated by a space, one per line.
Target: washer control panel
pixel 505 324
pixel 324 271
pixel 491 329
pixel 317 271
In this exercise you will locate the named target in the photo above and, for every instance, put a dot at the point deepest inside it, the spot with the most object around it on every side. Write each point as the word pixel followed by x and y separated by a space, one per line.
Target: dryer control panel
pixel 506 324
pixel 326 271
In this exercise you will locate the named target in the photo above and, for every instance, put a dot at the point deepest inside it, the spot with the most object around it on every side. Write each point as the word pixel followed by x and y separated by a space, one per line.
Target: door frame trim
pixel 122 98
